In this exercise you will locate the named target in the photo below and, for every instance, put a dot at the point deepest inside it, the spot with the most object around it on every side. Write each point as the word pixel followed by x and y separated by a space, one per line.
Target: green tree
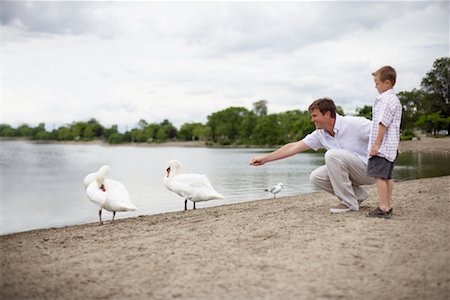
pixel 203 132
pixel 246 127
pixel 433 123
pixel 24 130
pixel 94 129
pixel 7 131
pixel 110 131
pixel 411 107
pixel 340 110
pixel 437 84
pixel 267 130
pixel 64 133
pixel 366 112
pixel 39 132
pixel 189 132
pixel 294 125
pixel 115 138
pixel 225 124
pixel 166 131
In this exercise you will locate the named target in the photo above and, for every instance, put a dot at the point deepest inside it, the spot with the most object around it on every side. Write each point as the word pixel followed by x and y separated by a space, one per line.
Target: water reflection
pixel 411 165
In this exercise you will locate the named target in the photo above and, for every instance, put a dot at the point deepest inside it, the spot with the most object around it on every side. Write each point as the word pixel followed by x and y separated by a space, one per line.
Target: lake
pixel 42 184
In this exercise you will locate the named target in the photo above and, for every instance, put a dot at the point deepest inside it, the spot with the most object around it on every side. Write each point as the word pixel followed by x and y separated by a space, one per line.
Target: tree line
pixel 427 108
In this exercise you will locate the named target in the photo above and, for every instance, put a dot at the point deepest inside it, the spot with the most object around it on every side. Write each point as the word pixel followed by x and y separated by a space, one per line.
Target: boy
pixel 384 139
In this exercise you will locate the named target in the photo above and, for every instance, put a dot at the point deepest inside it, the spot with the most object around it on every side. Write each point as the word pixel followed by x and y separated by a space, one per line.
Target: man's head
pixel 323 113
pixel 384 78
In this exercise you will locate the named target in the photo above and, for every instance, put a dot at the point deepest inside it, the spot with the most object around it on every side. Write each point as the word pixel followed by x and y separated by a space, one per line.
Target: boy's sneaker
pixel 378 213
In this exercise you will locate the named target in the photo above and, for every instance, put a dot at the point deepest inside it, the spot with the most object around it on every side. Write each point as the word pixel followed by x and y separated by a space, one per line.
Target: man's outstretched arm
pixel 283 152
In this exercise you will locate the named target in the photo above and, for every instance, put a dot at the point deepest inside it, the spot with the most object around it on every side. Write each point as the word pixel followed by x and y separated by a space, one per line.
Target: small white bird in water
pixel 107 193
pixel 275 189
pixel 193 187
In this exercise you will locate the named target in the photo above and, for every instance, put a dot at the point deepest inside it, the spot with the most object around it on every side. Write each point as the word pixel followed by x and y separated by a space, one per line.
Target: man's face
pixel 320 120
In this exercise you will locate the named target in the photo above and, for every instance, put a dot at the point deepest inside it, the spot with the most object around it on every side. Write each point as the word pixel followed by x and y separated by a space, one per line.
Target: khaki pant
pixel 343 175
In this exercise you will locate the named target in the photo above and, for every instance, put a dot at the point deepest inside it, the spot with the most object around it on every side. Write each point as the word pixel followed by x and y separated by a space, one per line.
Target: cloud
pixel 120 62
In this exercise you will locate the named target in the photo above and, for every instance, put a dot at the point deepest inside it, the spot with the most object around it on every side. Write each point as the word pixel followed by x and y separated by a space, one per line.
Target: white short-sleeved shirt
pixel 350 133
pixel 387 110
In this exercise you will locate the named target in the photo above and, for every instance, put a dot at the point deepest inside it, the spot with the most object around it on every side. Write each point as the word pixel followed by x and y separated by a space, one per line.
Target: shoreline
pixel 284 248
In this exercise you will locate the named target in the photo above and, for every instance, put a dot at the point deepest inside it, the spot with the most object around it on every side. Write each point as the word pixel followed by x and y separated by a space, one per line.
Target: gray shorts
pixel 380 167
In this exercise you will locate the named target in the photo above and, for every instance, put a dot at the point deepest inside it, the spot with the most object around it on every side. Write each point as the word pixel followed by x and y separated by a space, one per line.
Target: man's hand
pixel 257 161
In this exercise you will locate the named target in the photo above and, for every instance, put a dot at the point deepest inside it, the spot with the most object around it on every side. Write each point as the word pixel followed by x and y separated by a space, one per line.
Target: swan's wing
pixel 118 198
pixel 194 186
pixel 179 187
pixel 195 180
pixel 95 194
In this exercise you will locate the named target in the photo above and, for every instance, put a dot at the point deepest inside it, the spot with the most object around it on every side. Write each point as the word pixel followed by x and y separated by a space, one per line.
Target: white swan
pixel 193 187
pixel 107 193
pixel 275 189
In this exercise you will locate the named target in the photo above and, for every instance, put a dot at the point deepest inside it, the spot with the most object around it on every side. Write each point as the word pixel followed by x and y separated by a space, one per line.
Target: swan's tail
pixel 131 207
pixel 217 196
pixel 127 207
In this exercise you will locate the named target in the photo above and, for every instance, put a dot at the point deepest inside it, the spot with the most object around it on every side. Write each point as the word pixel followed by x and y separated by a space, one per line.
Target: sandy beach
pixel 286 248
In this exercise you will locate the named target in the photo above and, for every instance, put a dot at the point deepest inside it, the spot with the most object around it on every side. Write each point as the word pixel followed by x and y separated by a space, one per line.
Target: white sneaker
pixel 341 208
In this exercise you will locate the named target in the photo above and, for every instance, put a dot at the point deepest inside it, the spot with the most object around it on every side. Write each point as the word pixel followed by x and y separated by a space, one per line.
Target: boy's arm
pixel 376 146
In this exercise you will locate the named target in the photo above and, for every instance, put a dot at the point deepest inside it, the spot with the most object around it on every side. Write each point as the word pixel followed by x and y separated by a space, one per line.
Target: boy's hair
pixel 386 73
pixel 324 105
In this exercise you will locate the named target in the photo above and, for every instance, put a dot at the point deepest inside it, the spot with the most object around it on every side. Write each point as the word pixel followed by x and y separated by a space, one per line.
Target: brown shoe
pixel 379 213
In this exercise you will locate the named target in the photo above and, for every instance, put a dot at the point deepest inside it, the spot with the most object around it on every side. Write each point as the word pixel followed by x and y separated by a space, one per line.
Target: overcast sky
pixel 120 62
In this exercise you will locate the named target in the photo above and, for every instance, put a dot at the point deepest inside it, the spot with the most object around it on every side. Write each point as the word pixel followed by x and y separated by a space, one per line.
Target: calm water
pixel 42 184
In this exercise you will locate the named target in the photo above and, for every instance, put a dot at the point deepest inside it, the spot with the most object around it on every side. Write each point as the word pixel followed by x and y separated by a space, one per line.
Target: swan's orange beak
pixel 103 188
pixel 168 171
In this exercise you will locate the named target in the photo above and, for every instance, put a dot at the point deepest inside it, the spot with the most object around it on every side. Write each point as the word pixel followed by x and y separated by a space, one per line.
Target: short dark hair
pixel 386 73
pixel 324 105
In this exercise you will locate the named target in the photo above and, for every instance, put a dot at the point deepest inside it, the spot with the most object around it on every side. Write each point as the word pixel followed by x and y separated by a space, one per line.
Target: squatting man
pixel 345 138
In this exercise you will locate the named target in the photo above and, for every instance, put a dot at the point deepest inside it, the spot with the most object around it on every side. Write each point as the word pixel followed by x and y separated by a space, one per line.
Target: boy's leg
pixel 390 188
pixel 383 194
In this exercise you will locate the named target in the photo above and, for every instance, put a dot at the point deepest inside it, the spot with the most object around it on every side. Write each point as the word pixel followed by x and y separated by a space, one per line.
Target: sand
pixel 286 248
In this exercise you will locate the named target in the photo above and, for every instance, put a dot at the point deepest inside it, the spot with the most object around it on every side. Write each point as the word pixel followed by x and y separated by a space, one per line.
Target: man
pixel 346 139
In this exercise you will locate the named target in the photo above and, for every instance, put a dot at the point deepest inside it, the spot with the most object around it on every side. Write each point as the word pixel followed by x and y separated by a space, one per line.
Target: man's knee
pixel 332 154
pixel 313 177
pixel 316 177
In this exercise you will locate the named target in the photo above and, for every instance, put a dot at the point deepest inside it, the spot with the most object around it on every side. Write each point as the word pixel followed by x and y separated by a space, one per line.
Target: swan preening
pixel 108 194
pixel 193 187
pixel 275 189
